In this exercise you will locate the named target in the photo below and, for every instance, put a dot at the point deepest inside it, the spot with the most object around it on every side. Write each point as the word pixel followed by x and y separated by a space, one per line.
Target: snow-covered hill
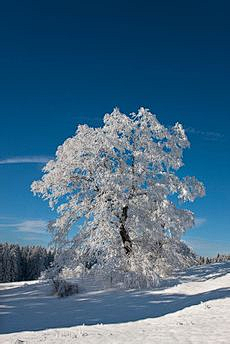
pixel 192 307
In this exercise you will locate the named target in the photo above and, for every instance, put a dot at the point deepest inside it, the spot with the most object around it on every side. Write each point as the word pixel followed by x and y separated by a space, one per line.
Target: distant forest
pixel 23 263
pixel 218 259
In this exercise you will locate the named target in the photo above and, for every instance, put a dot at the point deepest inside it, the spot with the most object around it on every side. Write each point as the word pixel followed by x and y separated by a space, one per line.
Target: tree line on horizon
pixel 23 263
pixel 210 260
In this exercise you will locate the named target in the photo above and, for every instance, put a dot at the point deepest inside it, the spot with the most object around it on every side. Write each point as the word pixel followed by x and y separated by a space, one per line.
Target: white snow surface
pixel 192 307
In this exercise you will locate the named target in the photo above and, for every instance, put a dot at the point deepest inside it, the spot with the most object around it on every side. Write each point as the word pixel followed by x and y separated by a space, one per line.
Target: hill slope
pixel 192 307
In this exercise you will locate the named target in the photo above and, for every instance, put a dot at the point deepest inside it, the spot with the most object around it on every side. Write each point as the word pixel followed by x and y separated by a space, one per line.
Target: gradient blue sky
pixel 65 63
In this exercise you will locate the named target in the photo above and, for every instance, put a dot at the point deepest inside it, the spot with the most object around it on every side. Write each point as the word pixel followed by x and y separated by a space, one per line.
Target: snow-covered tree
pixel 117 181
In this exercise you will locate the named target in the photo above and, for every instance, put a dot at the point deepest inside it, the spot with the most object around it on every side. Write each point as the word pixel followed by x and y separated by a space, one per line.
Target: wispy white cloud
pixel 25 160
pixel 28 226
pixel 207 135
pixel 199 221
pixel 3 217
pixel 207 247
pixel 32 226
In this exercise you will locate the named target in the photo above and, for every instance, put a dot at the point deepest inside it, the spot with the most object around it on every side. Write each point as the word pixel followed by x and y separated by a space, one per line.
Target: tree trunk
pixel 124 234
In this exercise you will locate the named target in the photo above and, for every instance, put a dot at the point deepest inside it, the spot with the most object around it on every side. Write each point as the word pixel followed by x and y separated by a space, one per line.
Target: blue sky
pixel 65 63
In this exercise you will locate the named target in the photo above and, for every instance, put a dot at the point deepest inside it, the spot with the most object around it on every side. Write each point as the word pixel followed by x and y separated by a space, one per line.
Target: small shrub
pixel 64 288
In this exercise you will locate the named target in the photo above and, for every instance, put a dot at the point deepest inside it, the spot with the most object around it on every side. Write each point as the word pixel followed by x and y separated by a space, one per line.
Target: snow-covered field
pixel 192 307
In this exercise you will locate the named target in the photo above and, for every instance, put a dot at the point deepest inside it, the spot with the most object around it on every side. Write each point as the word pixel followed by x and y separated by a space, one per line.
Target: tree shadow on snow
pixel 31 308
pixel 198 273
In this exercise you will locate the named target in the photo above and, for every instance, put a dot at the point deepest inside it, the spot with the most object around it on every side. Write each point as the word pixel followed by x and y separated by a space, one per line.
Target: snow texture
pixel 192 307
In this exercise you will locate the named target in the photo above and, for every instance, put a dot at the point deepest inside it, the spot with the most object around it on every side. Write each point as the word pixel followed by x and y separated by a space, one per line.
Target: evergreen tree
pixel 23 263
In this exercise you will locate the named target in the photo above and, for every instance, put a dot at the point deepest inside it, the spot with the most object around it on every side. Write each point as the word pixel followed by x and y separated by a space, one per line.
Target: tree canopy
pixel 118 181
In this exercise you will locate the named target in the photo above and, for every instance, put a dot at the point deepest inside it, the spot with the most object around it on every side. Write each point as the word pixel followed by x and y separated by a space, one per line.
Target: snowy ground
pixel 194 307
